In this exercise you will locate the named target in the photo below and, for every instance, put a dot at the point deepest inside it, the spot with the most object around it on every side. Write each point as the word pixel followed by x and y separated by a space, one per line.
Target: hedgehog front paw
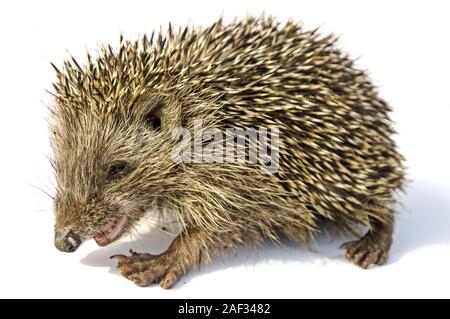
pixel 144 269
pixel 367 251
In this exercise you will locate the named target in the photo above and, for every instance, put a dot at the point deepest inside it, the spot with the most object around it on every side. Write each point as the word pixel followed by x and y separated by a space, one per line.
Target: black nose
pixel 68 242
pixel 73 241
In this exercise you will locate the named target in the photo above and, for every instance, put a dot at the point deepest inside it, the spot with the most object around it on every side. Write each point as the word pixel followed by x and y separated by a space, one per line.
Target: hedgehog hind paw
pixel 367 251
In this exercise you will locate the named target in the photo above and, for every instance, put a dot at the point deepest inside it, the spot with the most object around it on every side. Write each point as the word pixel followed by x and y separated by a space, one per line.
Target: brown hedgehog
pixel 114 129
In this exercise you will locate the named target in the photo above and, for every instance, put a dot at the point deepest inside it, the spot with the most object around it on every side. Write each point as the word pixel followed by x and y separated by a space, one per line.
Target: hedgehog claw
pixel 118 257
pixel 366 251
pixel 144 269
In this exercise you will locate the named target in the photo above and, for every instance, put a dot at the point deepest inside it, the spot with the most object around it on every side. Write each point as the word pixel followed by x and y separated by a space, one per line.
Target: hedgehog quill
pixel 112 125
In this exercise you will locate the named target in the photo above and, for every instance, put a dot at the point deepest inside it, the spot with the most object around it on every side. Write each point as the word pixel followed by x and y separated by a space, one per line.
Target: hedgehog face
pixel 110 169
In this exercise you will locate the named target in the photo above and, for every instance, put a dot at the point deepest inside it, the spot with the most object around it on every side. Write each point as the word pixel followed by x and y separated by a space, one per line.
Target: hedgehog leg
pixel 166 268
pixel 373 247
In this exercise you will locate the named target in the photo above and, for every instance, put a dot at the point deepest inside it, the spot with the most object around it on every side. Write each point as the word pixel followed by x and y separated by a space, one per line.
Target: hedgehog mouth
pixel 111 231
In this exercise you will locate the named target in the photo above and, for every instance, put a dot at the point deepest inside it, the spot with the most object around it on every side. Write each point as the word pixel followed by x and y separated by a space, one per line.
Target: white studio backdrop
pixel 406 48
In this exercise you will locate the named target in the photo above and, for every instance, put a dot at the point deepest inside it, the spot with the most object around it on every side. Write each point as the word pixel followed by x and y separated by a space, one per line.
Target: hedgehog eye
pixel 118 170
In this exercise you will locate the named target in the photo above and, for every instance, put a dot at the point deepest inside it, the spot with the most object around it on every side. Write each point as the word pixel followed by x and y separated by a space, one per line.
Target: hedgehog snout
pixel 67 240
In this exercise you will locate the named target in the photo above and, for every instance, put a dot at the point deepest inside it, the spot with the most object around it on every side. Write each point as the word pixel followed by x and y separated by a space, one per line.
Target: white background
pixel 404 44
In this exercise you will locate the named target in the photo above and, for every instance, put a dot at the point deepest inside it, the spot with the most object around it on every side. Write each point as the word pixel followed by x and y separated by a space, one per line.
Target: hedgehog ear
pixel 152 118
pixel 158 112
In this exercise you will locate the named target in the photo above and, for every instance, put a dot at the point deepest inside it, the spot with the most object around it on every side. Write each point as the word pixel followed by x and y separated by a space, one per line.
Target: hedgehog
pixel 116 121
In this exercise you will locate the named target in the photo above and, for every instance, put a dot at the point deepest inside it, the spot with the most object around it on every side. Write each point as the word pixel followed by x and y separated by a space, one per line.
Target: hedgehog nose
pixel 67 241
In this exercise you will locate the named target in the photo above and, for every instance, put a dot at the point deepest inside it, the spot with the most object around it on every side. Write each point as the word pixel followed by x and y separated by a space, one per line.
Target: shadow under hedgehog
pixel 112 133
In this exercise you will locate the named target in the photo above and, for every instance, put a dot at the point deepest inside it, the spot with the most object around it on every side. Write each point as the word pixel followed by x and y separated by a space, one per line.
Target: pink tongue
pixel 111 231
pixel 102 240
